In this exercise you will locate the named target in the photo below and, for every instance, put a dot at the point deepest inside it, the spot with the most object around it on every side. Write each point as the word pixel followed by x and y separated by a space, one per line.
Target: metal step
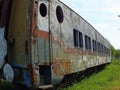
pixel 46 87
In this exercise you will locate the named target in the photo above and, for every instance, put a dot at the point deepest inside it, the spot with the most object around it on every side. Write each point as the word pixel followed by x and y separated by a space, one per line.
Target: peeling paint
pixel 61 67
pixel 46 43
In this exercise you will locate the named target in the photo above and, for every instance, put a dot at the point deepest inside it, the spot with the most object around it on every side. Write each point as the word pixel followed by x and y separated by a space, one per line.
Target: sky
pixel 102 15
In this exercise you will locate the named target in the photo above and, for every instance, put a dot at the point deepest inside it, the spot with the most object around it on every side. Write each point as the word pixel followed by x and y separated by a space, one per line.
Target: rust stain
pixel 75 50
pixel 36 33
pixel 43 34
pixel 61 67
pixel 40 34
pixel 67 49
pixel 34 74
pixel 34 23
pixel 30 68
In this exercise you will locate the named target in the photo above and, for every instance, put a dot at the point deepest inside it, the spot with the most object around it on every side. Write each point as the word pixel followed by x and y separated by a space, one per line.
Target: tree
pixel 115 53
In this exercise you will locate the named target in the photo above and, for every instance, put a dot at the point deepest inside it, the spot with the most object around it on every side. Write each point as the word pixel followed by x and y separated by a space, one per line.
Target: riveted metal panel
pixel 42 21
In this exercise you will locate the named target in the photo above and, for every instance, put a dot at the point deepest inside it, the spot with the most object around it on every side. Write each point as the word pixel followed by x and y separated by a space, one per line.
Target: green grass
pixel 4 85
pixel 108 79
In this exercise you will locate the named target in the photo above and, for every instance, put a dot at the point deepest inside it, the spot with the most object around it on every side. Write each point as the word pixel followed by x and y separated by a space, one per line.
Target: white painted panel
pixel 43 23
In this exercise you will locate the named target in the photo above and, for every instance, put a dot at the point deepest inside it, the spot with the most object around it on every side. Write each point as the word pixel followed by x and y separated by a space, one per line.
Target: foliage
pixel 108 79
pixel 4 85
pixel 115 53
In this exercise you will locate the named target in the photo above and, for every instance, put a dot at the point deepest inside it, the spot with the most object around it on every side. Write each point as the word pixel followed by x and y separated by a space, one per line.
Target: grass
pixel 4 85
pixel 108 79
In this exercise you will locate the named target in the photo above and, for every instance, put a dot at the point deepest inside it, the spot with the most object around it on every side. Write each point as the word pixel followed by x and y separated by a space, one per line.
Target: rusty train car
pixel 44 40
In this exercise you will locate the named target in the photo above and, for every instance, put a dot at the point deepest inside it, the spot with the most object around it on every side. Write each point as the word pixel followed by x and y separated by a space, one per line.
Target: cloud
pixel 113 6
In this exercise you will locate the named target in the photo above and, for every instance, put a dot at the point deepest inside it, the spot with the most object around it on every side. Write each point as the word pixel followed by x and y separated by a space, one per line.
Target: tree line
pixel 115 53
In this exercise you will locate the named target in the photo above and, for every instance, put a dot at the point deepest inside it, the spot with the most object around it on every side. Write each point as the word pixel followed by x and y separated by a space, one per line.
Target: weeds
pixel 108 79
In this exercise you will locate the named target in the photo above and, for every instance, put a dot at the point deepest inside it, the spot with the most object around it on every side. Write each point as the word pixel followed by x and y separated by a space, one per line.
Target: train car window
pixel 75 35
pixel 80 40
pixel 94 45
pixel 98 46
pixel 102 49
pixel 43 9
pixel 105 50
pixel 59 14
pixel 108 51
pixel 87 42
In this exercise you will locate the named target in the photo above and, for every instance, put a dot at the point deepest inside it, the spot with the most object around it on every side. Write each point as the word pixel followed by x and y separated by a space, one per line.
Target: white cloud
pixel 113 6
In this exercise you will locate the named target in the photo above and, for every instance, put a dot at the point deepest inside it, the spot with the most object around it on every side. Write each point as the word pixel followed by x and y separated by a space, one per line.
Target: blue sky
pixel 101 14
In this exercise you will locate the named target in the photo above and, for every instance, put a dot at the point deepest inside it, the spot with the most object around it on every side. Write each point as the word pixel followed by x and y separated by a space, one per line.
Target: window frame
pixel 87 42
pixel 78 38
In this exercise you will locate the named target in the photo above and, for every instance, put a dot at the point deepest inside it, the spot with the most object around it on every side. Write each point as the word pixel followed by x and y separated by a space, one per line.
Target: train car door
pixel 40 45
pixel 40 31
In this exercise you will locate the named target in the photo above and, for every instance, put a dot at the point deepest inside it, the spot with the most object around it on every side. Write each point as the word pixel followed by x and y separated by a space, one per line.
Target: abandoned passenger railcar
pixel 47 40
